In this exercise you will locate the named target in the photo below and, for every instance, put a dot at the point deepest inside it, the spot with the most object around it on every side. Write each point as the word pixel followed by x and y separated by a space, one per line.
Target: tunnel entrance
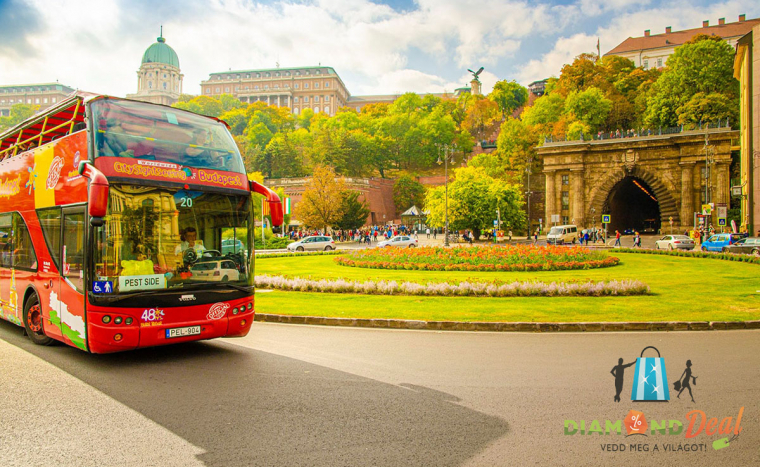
pixel 633 206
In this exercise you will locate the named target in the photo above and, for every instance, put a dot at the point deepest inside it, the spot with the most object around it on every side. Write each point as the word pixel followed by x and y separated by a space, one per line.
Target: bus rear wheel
pixel 33 322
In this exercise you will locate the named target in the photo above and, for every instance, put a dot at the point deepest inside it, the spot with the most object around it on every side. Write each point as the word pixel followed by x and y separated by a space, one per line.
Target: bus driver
pixel 189 238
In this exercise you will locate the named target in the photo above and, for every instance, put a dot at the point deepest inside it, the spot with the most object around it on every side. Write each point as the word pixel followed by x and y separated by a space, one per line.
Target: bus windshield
pixel 165 238
pixel 151 132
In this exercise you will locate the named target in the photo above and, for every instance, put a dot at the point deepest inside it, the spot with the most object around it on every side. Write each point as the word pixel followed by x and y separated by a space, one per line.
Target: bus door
pixel 71 286
pixel 6 249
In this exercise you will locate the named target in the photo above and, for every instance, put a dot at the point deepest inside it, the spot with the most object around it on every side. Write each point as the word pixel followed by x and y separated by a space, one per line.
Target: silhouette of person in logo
pixel 618 371
pixel 686 377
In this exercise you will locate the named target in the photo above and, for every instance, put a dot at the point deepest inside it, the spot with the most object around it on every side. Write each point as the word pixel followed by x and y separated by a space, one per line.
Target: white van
pixel 562 234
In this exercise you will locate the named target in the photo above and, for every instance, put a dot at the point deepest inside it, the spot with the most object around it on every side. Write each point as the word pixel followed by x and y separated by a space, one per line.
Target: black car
pixel 749 245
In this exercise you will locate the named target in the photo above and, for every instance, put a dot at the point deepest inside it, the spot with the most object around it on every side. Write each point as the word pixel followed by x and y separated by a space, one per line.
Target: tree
pixel 320 205
pixel 408 192
pixel 508 96
pixel 474 198
pixel 19 113
pixel 588 106
pixel 481 114
pixel 354 213
pixel 203 105
pixel 704 66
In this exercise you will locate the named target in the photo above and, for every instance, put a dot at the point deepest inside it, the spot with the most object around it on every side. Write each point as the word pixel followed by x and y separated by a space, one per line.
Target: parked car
pixel 560 234
pixel 400 241
pixel 215 271
pixel 232 245
pixel 674 242
pixel 749 245
pixel 718 241
pixel 313 243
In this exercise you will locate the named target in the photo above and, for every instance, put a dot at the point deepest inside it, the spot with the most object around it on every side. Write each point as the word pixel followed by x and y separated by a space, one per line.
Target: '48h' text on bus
pixel 125 224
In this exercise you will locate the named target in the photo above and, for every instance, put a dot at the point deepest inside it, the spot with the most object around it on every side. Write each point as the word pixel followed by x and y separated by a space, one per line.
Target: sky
pixel 375 46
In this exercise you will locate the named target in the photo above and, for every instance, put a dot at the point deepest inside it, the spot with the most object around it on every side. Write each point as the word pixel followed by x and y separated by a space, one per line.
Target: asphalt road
pixel 319 396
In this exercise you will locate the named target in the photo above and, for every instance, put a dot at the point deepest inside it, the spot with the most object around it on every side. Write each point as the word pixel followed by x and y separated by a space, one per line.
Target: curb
pixel 512 326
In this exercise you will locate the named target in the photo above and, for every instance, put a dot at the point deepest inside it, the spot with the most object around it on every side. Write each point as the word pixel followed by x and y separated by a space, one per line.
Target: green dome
pixel 161 53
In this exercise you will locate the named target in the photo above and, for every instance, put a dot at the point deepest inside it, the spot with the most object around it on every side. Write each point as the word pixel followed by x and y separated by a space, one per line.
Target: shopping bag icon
pixel 650 381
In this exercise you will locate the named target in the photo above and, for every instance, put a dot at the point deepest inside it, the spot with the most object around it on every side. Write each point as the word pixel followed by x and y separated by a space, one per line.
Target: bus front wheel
pixel 33 322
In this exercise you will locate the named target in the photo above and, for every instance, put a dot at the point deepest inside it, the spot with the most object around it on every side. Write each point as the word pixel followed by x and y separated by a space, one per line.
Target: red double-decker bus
pixel 125 224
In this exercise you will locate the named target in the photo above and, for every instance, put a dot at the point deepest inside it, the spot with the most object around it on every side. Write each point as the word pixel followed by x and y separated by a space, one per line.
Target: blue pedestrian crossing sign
pixel 606 218
pixel 722 221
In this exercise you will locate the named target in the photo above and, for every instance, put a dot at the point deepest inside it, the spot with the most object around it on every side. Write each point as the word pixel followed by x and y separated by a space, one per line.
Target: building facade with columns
pixel 44 95
pixel 652 51
pixel 644 183
pixel 159 79
pixel 318 88
pixel 747 71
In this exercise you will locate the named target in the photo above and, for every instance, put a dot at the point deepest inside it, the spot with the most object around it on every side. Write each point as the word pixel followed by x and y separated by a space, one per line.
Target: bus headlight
pixel 106 319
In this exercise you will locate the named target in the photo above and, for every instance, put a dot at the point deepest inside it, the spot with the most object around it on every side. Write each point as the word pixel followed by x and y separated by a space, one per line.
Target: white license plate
pixel 183 332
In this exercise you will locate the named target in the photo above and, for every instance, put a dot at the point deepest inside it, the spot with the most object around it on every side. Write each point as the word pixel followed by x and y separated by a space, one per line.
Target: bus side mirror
pixel 98 193
pixel 275 205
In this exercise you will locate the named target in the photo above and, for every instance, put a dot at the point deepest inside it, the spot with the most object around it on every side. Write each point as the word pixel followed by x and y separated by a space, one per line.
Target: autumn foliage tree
pixel 320 205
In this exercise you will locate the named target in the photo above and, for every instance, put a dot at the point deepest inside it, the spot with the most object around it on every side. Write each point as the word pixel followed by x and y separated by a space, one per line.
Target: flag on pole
pixel 287 205
pixel 598 50
pixel 265 208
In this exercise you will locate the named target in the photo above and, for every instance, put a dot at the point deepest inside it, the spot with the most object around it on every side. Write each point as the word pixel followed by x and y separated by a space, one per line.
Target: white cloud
pixel 550 64
pixel 97 45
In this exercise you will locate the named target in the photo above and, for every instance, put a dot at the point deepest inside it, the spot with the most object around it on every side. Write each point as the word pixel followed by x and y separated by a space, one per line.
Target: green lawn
pixel 684 289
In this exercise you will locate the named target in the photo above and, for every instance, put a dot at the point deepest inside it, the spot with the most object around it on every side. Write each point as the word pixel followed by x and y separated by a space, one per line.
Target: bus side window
pixel 6 241
pixel 23 253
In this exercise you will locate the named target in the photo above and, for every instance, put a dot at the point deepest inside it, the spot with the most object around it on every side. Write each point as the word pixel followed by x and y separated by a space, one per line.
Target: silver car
pixel 400 241
pixel 313 243
pixel 674 242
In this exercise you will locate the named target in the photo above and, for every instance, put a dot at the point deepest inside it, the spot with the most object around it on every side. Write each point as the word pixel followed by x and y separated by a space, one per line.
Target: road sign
pixel 540 221
pixel 736 190
pixel 606 218
pixel 706 209
pixel 722 211
pixel 495 223
pixel 555 217
pixel 722 221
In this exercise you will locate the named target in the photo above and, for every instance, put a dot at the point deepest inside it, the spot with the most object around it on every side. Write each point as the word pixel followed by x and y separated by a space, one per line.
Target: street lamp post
pixel 709 160
pixel 593 216
pixel 446 151
pixel 528 192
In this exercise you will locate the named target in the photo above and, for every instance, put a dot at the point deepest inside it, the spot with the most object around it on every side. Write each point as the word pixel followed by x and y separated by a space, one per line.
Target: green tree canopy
pixel 408 192
pixel 354 213
pixel 703 66
pixel 19 113
pixel 508 96
pixel 473 200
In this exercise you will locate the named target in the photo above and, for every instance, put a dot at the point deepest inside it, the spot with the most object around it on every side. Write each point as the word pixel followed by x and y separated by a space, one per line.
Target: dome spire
pixel 161 36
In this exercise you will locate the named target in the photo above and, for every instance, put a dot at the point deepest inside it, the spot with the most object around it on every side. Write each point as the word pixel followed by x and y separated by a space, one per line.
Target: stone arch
pixel 665 198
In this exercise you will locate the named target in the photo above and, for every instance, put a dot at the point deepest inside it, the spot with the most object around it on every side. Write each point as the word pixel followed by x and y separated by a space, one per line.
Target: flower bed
pixel 489 258
pixel 463 289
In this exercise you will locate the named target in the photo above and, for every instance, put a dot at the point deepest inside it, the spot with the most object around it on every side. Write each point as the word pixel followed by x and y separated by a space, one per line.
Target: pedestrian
pixel 435 233
pixel 535 237
pixel 427 231
pixel 617 238
pixel 510 235
pixel 637 240
pixel 586 237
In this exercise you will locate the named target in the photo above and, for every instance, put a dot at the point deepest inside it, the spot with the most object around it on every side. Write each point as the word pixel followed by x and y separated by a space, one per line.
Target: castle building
pixel 652 51
pixel 159 79
pixel 44 95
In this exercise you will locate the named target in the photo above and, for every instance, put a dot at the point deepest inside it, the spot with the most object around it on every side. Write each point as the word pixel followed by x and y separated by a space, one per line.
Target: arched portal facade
pixel 644 183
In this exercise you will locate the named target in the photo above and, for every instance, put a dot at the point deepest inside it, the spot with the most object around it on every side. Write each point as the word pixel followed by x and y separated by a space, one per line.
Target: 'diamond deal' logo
pixel 636 423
